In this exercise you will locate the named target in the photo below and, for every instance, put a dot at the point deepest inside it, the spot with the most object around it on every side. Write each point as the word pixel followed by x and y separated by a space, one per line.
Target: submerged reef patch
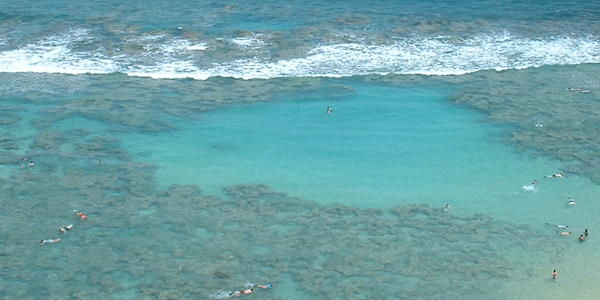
pixel 550 112
pixel 142 242
pixel 181 244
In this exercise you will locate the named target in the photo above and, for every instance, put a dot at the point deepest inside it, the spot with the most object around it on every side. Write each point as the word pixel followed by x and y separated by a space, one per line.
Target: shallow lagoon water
pixel 238 220
pixel 412 147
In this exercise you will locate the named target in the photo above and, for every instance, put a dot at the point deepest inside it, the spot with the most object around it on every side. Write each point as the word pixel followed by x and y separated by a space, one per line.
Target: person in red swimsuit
pixel 81 215
pixel 242 292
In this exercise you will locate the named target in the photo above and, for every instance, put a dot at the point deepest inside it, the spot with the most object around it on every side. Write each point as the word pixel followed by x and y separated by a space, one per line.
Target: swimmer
pixel 585 91
pixel 66 228
pixel 447 207
pixel 530 187
pixel 582 238
pixel 264 286
pixel 49 241
pixel 585 232
pixel 564 232
pixel 261 286
pixel 329 110
pixel 559 175
pixel 559 226
pixel 242 292
pixel 574 89
pixel 572 202
pixel 81 215
pixel 31 164
pixel 554 274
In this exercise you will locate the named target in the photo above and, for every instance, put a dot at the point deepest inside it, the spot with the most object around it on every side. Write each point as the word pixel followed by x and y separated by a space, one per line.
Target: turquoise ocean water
pixel 195 137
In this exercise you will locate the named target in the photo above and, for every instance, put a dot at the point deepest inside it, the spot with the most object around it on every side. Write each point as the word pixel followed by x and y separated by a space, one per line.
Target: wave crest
pixel 179 58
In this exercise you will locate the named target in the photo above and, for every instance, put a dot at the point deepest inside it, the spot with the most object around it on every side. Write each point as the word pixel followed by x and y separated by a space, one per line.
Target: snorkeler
pixel 579 90
pixel 530 187
pixel 81 215
pixel 559 175
pixel 49 241
pixel 251 285
pixel 557 225
pixel 248 289
pixel 66 228
pixel 329 110
pixel 264 286
pixel 242 292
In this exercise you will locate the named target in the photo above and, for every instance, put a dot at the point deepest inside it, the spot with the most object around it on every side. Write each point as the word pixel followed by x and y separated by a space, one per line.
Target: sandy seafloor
pixel 110 146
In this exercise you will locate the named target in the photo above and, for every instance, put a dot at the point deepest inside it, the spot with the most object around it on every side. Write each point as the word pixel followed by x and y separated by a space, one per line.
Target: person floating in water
pixel 580 90
pixel 66 228
pixel 557 225
pixel 242 292
pixel 248 289
pixel 81 215
pixel 554 274
pixel 530 187
pixel 264 286
pixel 49 241
pixel 564 232
pixel 329 110
pixel 250 285
pixel 559 175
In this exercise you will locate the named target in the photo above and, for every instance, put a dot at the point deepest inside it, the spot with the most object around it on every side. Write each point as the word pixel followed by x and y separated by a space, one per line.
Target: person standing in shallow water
pixel 554 274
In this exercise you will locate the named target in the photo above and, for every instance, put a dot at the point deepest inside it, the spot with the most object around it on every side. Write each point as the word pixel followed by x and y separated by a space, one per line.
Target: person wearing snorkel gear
pixel 82 216
pixel 49 241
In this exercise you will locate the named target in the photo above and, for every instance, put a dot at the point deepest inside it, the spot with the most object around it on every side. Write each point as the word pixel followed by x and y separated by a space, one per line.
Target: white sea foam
pixel 249 42
pixel 421 56
pixel 174 58
pixel 197 47
pixel 54 55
